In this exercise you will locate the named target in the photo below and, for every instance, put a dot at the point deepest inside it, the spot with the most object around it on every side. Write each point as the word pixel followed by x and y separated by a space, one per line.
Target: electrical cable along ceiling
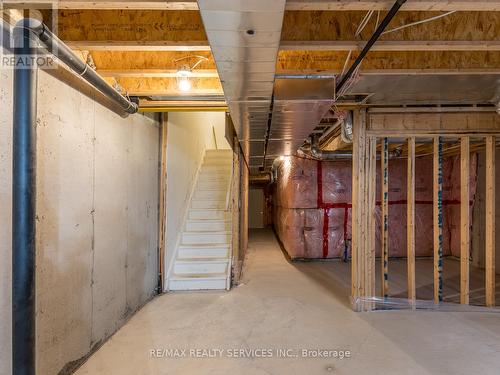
pixel 244 37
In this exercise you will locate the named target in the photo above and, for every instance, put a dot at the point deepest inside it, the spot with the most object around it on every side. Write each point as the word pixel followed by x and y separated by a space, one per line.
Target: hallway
pixel 282 305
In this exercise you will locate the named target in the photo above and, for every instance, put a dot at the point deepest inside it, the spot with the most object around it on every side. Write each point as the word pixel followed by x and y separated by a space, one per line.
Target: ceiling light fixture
pixel 184 72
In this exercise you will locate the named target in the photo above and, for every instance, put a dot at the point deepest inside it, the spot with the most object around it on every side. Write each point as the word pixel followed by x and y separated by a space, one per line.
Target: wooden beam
pixel 384 237
pixel 464 219
pixel 410 5
pixel 403 45
pixel 155 73
pixel 139 46
pixel 106 4
pixel 167 86
pixel 490 221
pixel 438 218
pixel 410 226
pixel 417 61
pixel 404 124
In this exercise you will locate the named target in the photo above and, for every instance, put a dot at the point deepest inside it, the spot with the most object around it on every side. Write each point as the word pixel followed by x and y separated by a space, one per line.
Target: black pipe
pixel 57 47
pixel 23 205
pixel 380 29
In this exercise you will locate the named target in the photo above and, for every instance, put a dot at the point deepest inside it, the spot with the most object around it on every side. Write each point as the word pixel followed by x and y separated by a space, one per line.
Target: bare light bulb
pixel 184 84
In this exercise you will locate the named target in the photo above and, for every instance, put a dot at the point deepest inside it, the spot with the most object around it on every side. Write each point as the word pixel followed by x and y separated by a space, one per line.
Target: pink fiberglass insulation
pixel 312 215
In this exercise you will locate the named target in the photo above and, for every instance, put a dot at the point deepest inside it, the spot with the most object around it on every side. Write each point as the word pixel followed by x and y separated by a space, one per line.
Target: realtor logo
pixel 20 28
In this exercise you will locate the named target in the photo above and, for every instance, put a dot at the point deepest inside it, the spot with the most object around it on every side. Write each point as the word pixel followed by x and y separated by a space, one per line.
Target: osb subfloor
pixel 295 306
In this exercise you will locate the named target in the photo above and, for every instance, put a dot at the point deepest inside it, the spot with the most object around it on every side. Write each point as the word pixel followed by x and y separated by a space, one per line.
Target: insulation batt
pixel 304 203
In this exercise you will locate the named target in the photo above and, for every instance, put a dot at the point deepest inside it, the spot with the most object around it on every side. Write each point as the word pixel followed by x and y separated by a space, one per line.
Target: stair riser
pixel 219 176
pixel 211 185
pixel 213 179
pixel 197 284
pixel 207 226
pixel 217 195
pixel 206 215
pixel 200 268
pixel 202 239
pixel 199 204
pixel 193 253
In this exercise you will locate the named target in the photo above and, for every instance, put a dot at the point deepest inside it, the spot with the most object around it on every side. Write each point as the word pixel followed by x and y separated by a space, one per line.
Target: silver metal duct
pixel 299 106
pixel 244 37
pixel 397 89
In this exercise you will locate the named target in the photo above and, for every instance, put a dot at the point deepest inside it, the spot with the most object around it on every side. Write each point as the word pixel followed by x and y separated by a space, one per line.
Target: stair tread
pixel 210 232
pixel 205 246
pixel 205 221
pixel 201 260
pixel 198 276
pixel 207 209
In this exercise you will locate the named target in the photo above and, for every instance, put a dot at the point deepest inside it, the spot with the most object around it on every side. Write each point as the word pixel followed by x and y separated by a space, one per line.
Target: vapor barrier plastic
pixel 390 303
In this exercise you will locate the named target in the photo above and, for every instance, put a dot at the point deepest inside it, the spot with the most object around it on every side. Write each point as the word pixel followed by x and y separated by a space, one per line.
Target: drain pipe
pixel 326 155
pixel 63 53
pixel 380 29
pixel 23 203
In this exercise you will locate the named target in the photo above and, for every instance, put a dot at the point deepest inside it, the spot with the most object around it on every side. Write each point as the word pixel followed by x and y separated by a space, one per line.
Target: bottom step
pixel 197 282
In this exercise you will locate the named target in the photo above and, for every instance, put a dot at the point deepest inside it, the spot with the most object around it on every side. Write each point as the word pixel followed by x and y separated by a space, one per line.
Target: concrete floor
pixel 295 306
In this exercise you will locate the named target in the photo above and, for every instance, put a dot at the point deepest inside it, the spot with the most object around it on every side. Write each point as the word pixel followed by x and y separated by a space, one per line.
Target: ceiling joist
pixel 410 5
pixel 396 45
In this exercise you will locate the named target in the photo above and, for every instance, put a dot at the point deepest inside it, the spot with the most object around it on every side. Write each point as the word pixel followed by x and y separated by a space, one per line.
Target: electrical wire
pixel 418 22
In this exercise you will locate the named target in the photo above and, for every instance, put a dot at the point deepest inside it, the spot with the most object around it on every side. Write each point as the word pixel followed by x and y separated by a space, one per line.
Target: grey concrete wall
pixel 97 199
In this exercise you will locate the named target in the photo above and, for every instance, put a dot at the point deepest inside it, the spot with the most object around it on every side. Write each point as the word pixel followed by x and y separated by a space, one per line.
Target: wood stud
pixel 384 168
pixel 410 234
pixel 464 220
pixel 438 218
pixel 490 221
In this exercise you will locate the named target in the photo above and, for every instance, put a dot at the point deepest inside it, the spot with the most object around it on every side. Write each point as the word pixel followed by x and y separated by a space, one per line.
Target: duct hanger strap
pixel 60 50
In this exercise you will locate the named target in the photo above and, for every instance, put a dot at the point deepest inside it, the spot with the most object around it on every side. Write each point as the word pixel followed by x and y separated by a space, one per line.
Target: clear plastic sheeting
pixel 312 207
pixel 391 303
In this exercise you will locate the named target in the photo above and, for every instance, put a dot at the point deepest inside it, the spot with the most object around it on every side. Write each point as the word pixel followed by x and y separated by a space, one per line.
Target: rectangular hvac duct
pixel 299 105
pixel 244 37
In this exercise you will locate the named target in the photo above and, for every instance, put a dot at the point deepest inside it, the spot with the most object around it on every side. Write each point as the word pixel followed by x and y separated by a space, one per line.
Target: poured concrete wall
pixel 189 135
pixel 97 199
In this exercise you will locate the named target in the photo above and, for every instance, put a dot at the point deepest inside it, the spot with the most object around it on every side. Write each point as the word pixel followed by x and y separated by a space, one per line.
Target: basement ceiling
pixel 137 44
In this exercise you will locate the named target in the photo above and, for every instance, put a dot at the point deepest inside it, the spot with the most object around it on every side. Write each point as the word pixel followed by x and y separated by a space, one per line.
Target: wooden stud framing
pixel 464 219
pixel 384 168
pixel 370 237
pixel 490 221
pixel 438 218
pixel 358 151
pixel 410 234
pixel 363 216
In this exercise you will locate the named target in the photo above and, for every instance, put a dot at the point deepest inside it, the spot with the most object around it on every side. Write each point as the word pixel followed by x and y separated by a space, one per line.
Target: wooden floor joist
pixel 490 221
pixel 383 45
pixel 464 219
pixel 410 5
pixel 410 234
